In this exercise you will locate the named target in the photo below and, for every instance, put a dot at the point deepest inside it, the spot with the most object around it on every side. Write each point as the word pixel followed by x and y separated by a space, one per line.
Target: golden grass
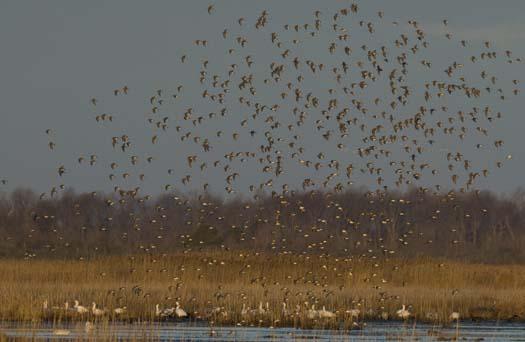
pixel 227 280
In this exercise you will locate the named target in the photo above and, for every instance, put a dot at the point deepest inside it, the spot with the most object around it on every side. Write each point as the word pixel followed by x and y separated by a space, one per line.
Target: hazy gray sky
pixel 57 55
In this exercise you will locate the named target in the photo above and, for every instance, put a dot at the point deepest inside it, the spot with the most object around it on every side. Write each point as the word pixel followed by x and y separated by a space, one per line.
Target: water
pixel 374 331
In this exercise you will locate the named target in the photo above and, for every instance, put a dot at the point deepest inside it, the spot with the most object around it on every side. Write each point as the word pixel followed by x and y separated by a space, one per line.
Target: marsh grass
pixel 213 286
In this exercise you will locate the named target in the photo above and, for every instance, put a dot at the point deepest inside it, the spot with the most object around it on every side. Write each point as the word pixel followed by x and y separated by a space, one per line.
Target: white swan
pixel 312 313
pixel 403 312
pixel 244 310
pixel 261 310
pixel 163 312
pixel 179 312
pixel 323 313
pixel 80 308
pixel 120 311
pixel 96 311
pixel 45 306
pixel 454 316
pixel 285 310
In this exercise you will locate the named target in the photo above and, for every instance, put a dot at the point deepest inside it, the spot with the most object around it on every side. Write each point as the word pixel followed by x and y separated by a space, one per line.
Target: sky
pixel 57 55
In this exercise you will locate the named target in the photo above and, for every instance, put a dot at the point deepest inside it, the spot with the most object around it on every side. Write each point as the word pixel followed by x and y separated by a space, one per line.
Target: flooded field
pixel 374 331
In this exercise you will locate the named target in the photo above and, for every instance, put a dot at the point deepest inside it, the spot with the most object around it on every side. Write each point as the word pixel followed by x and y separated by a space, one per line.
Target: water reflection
pixel 374 331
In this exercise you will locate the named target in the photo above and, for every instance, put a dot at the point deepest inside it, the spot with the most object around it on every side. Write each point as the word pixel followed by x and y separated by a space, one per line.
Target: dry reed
pixel 213 286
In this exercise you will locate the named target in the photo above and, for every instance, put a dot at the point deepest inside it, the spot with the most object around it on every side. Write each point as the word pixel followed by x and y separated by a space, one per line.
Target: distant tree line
pixel 475 226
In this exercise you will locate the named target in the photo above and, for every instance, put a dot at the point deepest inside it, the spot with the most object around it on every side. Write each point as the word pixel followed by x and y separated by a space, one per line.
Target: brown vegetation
pixel 215 285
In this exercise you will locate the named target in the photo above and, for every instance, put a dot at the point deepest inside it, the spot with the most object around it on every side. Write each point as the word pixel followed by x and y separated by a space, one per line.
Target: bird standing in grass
pixel 96 311
pixel 179 312
pixel 323 313
pixel 403 313
pixel 79 308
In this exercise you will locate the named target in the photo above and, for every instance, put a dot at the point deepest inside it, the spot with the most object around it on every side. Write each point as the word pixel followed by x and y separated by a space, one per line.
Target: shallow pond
pixel 374 331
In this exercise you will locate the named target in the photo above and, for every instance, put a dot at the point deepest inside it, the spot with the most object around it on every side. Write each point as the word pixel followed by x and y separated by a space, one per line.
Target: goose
pixel 80 308
pixel 403 312
pixel 179 312
pixel 96 311
pixel 323 313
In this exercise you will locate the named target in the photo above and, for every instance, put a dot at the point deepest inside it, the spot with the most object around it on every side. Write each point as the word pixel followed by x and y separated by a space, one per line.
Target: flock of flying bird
pixel 328 103
pixel 261 115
